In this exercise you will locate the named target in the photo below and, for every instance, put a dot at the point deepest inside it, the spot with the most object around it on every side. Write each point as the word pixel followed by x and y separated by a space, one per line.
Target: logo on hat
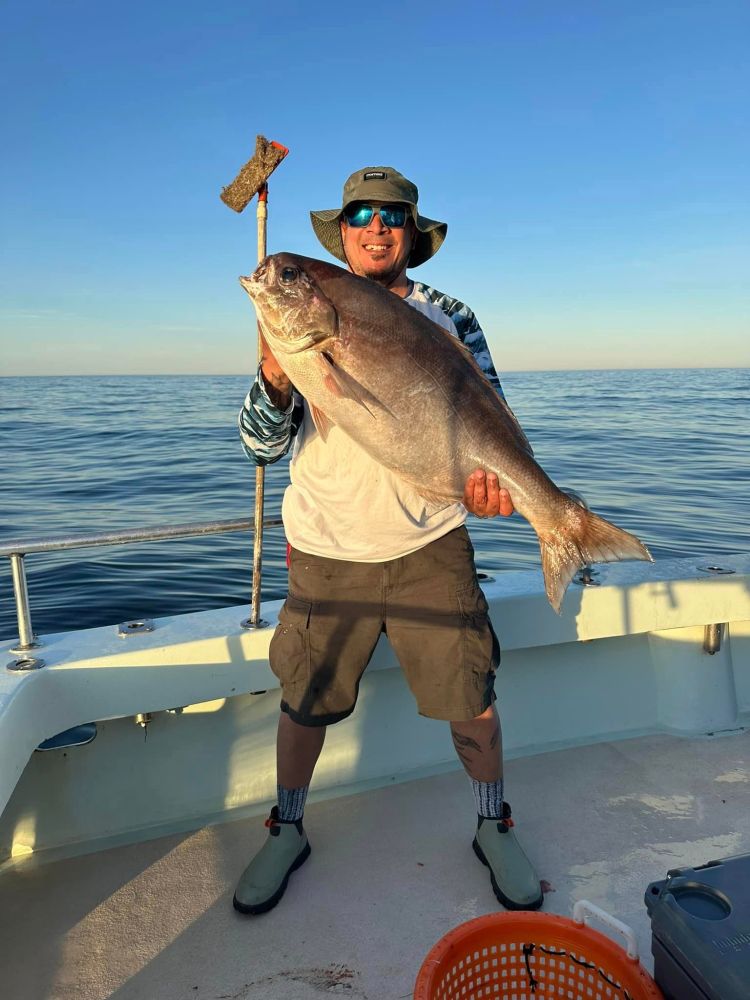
pixel 375 175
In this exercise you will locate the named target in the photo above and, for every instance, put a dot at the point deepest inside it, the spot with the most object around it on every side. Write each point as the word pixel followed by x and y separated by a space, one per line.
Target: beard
pixel 379 276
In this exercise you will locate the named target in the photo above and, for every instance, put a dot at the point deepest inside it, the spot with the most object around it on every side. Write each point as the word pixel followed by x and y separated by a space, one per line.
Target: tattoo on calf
pixel 463 745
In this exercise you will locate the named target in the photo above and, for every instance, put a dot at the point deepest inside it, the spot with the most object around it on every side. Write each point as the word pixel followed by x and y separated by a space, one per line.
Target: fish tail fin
pixel 583 538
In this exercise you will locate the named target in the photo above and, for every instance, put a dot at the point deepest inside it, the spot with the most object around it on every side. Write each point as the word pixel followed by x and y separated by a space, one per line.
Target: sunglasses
pixel 359 214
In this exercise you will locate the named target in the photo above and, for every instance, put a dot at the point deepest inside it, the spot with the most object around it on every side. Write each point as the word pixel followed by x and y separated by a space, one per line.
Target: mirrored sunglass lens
pixel 393 216
pixel 358 215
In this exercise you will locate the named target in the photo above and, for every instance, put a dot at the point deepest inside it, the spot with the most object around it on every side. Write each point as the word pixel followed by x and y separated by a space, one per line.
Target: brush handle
pixel 260 472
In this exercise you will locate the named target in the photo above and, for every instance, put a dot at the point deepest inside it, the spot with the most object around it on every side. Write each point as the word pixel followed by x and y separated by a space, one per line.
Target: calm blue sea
pixel 664 454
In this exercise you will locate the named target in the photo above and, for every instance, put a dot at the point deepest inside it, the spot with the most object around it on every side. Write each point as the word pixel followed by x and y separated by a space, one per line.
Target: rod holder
pixel 25 663
pixel 248 623
pixel 135 627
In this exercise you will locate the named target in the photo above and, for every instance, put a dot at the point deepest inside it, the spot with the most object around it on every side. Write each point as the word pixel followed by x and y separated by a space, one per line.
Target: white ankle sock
pixel 291 802
pixel 488 796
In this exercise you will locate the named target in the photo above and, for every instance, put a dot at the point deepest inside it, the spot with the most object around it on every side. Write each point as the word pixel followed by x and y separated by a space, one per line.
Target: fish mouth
pixel 251 285
pixel 258 279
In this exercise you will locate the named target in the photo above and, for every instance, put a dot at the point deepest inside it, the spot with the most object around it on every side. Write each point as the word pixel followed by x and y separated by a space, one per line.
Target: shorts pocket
pixel 481 649
pixel 289 652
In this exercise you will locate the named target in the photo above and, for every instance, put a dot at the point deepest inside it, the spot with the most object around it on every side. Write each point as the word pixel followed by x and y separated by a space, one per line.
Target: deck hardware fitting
pixel 143 719
pixel 22 650
pixel 135 627
pixel 250 624
pixel 25 663
pixel 485 577
pixel 712 638
pixel 715 569
pixel 176 711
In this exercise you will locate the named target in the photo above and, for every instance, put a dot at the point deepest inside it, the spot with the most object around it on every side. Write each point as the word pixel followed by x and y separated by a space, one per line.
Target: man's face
pixel 376 251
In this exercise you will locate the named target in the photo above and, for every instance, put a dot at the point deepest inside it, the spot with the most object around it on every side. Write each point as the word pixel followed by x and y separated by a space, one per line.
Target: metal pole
pixel 260 472
pixel 26 637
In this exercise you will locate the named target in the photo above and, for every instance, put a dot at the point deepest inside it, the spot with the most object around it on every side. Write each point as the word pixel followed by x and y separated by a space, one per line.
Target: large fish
pixel 412 396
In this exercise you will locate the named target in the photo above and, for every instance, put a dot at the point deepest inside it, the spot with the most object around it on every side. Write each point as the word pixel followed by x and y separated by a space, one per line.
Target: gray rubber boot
pixel 511 873
pixel 264 881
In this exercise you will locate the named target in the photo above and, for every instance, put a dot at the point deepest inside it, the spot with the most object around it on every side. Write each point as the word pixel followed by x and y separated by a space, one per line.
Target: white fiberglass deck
pixel 391 871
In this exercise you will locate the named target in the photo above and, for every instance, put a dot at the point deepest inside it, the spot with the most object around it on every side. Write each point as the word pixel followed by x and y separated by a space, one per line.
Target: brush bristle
pixel 253 175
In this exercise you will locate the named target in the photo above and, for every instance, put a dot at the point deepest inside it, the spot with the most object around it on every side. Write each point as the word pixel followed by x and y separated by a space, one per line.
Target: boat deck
pixel 391 871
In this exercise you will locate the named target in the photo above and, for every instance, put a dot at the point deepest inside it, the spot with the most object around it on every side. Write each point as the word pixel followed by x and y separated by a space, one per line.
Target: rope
pixel 528 950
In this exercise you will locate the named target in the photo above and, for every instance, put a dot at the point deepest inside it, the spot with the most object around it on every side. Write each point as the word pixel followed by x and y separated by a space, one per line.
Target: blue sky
pixel 591 159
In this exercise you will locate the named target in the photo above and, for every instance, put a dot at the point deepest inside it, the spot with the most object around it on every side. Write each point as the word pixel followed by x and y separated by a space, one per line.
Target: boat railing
pixel 17 549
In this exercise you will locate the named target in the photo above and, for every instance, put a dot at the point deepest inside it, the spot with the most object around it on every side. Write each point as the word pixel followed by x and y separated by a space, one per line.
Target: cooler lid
pixel 701 916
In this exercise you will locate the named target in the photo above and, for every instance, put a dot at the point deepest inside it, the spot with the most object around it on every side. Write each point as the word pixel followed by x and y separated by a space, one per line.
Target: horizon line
pixel 505 371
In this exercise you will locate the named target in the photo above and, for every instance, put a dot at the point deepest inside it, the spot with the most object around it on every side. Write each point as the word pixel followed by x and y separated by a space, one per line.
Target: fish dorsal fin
pixel 511 420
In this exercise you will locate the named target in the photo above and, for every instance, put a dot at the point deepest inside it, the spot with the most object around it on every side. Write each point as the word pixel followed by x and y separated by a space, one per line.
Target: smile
pixel 377 246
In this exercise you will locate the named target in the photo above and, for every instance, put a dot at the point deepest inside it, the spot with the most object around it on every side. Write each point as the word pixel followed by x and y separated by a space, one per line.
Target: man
pixel 367 554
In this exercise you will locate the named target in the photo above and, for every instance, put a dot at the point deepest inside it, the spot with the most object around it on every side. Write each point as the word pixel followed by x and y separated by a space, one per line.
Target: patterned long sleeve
pixel 266 432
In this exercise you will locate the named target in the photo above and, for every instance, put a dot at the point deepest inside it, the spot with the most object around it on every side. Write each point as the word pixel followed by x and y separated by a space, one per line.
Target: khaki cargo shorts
pixel 429 604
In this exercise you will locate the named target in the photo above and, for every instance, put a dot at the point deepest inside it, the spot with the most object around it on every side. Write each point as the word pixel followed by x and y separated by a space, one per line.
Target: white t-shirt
pixel 343 505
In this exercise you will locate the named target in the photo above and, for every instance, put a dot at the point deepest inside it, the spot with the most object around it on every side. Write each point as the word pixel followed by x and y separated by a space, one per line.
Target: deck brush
pixel 254 175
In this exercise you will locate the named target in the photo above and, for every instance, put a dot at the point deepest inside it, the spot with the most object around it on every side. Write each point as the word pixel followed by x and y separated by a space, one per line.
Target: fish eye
pixel 289 275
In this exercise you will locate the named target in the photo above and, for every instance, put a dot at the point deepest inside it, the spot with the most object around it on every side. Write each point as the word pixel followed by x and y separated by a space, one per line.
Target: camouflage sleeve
pixel 266 432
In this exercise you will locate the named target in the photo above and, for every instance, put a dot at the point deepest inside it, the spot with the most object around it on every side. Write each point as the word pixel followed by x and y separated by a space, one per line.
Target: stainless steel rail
pixel 17 548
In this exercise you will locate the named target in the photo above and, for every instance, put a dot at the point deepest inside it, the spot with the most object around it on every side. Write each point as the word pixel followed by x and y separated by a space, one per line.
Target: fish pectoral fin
pixel 345 386
pixel 440 499
pixel 323 424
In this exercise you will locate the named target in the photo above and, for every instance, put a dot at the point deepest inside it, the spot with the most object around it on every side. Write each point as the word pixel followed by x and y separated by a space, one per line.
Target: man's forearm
pixel 277 385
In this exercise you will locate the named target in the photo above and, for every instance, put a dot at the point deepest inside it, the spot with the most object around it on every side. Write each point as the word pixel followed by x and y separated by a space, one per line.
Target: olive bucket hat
pixel 382 184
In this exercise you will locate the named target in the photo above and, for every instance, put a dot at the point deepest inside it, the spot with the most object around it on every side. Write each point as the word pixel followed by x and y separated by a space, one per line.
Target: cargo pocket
pixel 289 652
pixel 481 649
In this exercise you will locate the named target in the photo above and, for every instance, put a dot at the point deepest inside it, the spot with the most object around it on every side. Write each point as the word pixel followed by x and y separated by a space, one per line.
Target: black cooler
pixel 700 931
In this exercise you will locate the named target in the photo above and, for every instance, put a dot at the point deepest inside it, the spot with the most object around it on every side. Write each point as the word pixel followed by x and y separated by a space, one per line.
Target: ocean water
pixel 664 454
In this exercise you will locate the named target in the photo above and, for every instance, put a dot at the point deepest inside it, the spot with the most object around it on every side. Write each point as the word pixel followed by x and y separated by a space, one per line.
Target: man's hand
pixel 483 496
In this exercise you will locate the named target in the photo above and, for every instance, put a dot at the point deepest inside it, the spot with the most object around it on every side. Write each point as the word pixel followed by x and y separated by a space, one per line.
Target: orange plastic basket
pixel 528 956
